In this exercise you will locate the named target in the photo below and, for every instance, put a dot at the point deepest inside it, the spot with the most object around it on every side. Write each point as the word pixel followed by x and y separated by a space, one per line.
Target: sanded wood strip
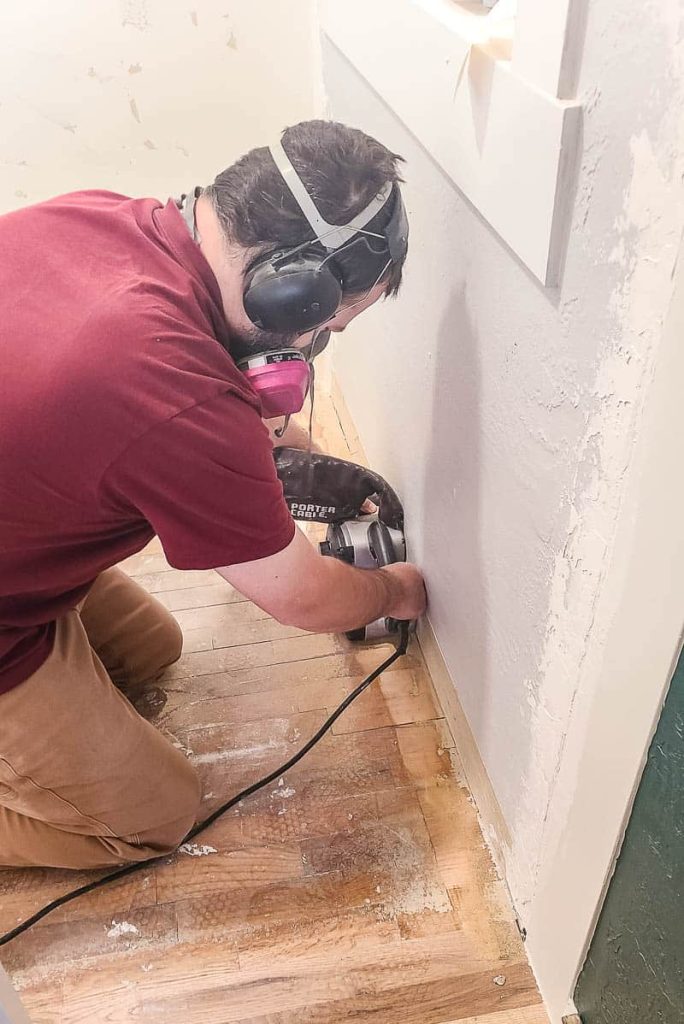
pixel 206 869
pixel 414 993
pixel 524 1015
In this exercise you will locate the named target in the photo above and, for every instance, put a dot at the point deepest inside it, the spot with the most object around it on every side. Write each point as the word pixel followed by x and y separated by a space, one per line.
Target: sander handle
pixel 381 545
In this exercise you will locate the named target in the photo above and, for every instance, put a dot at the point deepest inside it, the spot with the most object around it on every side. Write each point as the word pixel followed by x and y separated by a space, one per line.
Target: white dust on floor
pixel 121 928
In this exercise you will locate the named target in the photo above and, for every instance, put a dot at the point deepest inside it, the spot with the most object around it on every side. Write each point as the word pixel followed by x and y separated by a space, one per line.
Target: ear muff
pixel 292 291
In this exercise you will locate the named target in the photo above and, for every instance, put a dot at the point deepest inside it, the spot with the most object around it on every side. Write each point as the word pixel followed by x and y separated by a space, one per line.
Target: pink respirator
pixel 281 379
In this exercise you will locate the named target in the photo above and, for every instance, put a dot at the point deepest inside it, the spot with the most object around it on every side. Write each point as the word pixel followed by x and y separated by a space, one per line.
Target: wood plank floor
pixel 357 888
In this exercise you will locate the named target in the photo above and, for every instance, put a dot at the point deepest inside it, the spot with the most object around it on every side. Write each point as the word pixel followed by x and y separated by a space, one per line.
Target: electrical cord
pixel 128 869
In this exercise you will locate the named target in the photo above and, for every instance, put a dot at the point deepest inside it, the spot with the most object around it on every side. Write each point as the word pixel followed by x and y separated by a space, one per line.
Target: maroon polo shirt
pixel 122 415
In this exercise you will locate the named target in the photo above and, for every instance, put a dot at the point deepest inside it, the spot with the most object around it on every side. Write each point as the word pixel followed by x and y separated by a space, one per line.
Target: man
pixel 123 415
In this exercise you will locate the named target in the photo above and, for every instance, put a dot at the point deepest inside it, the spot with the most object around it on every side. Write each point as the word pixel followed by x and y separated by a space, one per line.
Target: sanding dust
pixel 401 866
pixel 121 928
pixel 411 882
pixel 284 791
pixel 405 870
pixel 193 850
pixel 217 756
pixel 179 746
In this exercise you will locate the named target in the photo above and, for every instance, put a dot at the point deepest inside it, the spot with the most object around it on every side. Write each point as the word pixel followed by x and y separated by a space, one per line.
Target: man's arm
pixel 300 587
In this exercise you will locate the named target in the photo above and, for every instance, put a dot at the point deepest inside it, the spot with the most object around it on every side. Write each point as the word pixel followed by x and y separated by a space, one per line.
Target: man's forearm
pixel 300 587
pixel 343 598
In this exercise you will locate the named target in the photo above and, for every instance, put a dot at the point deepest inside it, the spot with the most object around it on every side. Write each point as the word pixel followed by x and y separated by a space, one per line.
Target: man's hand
pixel 411 599
pixel 300 587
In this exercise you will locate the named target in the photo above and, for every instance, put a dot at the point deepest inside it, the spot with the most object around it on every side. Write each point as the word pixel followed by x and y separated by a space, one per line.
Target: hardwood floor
pixel 357 888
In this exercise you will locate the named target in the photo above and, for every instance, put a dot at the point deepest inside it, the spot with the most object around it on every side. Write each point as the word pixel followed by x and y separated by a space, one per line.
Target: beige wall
pixel 145 97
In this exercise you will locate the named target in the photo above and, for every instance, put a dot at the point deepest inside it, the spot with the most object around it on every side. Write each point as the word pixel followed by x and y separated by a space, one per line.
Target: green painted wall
pixel 634 973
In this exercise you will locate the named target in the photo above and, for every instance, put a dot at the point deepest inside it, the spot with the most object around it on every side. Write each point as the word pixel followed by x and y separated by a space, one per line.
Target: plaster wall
pixel 506 414
pixel 146 97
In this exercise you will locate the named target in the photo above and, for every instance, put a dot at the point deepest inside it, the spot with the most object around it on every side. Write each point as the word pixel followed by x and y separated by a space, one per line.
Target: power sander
pixel 323 489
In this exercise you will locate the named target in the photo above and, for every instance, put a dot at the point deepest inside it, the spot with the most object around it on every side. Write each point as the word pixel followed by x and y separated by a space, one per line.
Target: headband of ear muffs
pixel 296 290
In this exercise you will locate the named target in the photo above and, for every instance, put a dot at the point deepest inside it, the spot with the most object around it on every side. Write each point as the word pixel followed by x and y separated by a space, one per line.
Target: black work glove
pixel 324 489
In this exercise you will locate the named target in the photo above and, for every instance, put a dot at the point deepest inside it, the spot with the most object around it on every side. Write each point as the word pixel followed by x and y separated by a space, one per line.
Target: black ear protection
pixel 292 292
pixel 298 289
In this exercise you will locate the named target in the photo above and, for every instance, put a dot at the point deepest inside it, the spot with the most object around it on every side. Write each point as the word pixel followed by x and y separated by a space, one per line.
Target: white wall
pixel 146 97
pixel 506 414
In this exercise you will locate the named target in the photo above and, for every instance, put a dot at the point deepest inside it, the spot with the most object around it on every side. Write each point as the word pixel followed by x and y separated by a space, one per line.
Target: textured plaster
pixel 507 414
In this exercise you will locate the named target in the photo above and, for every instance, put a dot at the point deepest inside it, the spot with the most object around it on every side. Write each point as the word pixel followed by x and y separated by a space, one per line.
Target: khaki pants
pixel 85 782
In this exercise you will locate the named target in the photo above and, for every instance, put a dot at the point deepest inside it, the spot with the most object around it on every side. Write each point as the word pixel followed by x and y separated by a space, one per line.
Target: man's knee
pixel 178 798
pixel 171 641
pixel 160 647
pixel 134 634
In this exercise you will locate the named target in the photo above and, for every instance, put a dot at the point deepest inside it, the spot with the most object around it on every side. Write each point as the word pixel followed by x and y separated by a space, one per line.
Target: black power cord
pixel 141 865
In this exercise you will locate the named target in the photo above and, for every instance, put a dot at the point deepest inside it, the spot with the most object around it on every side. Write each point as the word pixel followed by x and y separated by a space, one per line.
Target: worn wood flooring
pixel 357 888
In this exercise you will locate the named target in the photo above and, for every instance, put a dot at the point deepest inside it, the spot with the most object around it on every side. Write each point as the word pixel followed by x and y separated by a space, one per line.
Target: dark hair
pixel 342 169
